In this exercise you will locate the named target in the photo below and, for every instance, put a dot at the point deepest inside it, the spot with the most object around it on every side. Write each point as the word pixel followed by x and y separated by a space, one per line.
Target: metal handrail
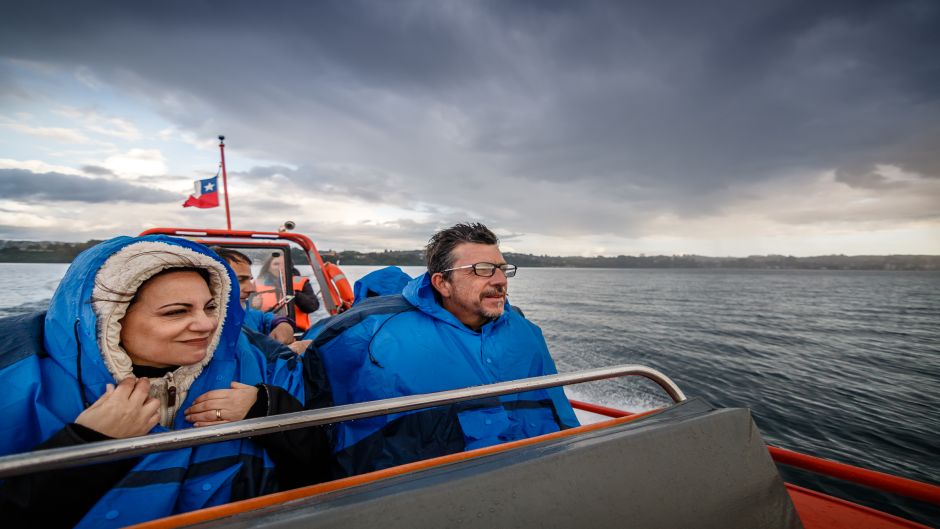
pixel 102 451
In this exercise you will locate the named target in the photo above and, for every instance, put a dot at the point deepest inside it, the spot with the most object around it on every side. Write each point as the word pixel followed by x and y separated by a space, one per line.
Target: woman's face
pixel 171 322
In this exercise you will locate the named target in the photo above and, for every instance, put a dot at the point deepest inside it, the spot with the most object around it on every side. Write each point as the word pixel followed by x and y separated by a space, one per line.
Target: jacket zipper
pixel 170 399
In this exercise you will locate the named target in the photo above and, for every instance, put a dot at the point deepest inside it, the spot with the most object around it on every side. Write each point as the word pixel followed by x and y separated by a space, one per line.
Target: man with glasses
pixel 452 327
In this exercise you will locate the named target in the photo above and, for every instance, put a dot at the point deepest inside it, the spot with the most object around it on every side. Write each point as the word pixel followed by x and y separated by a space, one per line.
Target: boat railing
pixel 103 451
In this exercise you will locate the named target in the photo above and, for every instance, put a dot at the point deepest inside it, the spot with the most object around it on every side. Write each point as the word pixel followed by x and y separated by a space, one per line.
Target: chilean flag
pixel 206 195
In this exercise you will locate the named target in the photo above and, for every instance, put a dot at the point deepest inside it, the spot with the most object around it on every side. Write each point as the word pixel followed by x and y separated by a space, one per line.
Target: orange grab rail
pixel 877 480
pixel 909 488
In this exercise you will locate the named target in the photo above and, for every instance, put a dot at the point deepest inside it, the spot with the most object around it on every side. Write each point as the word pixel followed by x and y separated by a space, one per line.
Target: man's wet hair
pixel 439 253
pixel 230 255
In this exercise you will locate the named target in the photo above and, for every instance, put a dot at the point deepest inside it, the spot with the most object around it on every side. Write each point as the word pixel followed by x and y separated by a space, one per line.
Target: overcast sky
pixel 571 128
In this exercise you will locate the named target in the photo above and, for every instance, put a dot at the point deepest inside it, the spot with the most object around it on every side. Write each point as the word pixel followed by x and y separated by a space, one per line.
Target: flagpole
pixel 228 216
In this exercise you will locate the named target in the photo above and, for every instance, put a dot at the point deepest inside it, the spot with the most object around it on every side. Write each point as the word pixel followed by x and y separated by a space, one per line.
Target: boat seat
pixel 688 466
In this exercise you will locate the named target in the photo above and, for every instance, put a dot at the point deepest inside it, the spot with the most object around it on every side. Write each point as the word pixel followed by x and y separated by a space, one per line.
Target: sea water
pixel 839 364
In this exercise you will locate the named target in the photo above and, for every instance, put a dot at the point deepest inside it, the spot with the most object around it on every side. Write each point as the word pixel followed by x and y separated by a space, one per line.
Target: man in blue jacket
pixel 381 282
pixel 280 328
pixel 450 328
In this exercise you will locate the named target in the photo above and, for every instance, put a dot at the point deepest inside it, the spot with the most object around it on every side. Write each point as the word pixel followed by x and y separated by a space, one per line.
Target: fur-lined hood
pixel 93 297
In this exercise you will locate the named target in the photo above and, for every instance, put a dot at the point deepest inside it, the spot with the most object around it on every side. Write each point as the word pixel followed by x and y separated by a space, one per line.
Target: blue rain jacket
pixel 382 282
pixel 407 344
pixel 259 321
pixel 42 394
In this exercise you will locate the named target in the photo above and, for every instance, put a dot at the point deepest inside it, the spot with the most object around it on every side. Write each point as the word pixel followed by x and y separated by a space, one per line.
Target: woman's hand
pixel 123 411
pixel 222 405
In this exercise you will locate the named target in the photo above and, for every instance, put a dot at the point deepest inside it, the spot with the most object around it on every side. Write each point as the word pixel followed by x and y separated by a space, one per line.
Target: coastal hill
pixel 64 252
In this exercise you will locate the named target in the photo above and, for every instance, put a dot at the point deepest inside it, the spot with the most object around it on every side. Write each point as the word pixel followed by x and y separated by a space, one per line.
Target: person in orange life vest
pixel 270 283
pixel 270 286
pixel 305 301
pixel 281 328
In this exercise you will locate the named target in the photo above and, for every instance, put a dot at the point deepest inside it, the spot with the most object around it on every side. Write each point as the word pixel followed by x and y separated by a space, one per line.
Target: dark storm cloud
pixel 649 107
pixel 27 186
pixel 97 170
pixel 355 182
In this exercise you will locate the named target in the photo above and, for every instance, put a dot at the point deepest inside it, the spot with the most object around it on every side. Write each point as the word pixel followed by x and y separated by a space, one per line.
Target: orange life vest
pixel 267 294
pixel 301 318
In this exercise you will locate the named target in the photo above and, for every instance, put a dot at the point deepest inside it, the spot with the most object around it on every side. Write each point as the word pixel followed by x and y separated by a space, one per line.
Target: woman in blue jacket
pixel 142 335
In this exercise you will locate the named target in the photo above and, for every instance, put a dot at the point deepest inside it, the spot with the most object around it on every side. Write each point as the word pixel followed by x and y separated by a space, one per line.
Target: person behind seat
pixel 278 327
pixel 270 285
pixel 450 328
pixel 139 331
pixel 305 300
pixel 271 281
pixel 381 282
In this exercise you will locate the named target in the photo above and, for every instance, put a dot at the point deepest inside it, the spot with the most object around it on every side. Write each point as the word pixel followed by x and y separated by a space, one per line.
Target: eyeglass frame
pixel 511 272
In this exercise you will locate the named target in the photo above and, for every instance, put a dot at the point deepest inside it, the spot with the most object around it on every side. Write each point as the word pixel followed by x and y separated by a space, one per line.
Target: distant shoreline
pixel 757 262
pixel 64 252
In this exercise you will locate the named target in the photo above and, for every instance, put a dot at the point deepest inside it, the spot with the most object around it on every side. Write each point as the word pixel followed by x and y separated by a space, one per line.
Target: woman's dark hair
pixel 265 270
pixel 117 296
pixel 439 253
pixel 201 271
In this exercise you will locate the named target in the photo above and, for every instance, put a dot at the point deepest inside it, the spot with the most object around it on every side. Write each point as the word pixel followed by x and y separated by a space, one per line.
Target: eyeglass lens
pixel 488 269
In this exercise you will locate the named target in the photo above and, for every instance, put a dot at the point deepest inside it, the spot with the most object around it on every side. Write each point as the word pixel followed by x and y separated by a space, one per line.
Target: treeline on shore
pixel 823 262
pixel 42 251
pixel 65 252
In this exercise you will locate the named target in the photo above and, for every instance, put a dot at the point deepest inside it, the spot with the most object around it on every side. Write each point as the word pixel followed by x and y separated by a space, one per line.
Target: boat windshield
pixel 274 272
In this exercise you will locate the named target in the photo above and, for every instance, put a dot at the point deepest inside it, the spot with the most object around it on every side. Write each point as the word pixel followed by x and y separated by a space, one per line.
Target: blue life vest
pixel 382 282
pixel 48 380
pixel 408 344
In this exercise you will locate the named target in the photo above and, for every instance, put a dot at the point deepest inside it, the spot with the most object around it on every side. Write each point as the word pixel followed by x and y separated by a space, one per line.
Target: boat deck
pixel 821 511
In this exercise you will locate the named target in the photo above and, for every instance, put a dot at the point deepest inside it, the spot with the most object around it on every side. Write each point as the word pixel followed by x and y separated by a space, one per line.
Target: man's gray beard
pixel 492 315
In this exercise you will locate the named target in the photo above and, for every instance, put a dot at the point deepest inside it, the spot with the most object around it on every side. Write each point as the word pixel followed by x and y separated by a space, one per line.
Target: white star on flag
pixel 209 187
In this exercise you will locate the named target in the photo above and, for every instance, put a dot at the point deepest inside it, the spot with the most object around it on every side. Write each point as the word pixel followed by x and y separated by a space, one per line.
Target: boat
pixel 689 464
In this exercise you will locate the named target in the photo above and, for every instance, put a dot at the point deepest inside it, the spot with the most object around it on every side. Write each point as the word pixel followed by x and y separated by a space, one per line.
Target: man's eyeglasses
pixel 487 269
